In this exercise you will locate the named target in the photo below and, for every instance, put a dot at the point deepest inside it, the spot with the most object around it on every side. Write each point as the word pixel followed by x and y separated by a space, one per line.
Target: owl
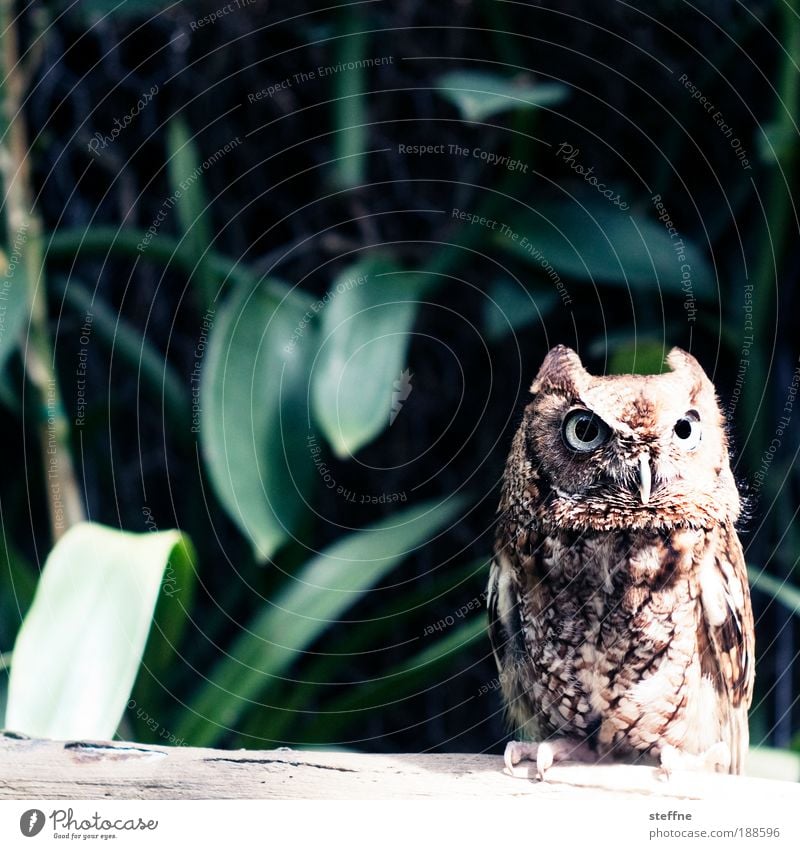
pixel 619 608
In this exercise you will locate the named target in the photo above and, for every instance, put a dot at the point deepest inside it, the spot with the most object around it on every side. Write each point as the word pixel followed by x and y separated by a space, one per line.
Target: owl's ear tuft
pixel 561 370
pixel 681 361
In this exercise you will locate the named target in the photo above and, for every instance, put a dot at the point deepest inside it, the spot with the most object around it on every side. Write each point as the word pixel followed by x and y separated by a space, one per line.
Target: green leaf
pixel 185 171
pixel 350 116
pixel 253 418
pixel 360 379
pixel 169 622
pixel 593 241
pixel 399 683
pixel 313 599
pixel 781 591
pixel 775 141
pixel 17 588
pixel 479 94
pixel 413 605
pixel 80 646
pixel 509 307
pixel 637 357
pixel 14 308
pixel 776 764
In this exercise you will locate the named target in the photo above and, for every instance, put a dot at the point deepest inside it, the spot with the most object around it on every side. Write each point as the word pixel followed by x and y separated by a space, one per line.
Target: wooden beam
pixel 47 769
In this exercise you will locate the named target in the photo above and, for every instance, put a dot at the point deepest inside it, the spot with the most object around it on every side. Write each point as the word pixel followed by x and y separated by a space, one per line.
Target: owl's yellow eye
pixel 584 431
pixel 687 431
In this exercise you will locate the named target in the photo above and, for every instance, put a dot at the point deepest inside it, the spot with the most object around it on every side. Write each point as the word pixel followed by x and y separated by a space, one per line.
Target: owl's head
pixel 628 450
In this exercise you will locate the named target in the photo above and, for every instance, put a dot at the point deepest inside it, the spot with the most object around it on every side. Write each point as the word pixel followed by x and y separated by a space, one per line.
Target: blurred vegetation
pixel 279 278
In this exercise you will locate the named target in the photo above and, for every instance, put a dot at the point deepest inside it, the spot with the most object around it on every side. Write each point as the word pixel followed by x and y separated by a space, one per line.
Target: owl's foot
pixel 544 754
pixel 715 759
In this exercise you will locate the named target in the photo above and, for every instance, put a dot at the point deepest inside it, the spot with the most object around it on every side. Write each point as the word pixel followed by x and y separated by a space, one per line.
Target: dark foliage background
pixel 317 185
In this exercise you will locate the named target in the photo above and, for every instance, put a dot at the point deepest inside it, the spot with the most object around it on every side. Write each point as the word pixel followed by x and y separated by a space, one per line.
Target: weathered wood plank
pixel 46 769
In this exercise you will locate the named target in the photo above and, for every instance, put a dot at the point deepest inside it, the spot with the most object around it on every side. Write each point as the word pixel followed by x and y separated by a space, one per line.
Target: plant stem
pixel 24 228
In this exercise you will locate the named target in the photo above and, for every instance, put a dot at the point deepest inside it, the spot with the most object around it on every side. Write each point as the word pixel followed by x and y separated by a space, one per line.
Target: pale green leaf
pixel 479 94
pixel 784 592
pixel 594 241
pixel 253 412
pixel 360 379
pixel 79 649
pixel 311 600
pixel 508 307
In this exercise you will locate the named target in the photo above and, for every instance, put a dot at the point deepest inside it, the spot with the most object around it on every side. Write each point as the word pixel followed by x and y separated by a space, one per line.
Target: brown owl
pixel 619 609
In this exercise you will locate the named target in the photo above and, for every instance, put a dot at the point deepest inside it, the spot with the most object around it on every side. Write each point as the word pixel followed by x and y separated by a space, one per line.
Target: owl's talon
pixel 717 758
pixel 544 759
pixel 516 751
pixel 545 754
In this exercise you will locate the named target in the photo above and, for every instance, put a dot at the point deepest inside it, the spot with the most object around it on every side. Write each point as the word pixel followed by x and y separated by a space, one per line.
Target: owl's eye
pixel 687 431
pixel 584 431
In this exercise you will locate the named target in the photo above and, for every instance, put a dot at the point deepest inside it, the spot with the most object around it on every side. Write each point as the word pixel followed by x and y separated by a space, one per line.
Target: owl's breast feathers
pixel 632 639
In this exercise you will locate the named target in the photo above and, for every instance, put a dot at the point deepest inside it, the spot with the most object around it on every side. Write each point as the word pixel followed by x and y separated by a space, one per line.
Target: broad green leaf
pixel 253 416
pixel 785 593
pixel 310 601
pixel 479 94
pixel 80 646
pixel 399 683
pixel 413 606
pixel 169 622
pixel 509 307
pixel 14 309
pixel 186 182
pixel 594 241
pixel 360 380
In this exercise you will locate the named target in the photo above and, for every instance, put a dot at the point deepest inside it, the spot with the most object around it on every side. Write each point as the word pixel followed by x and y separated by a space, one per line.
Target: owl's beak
pixel 645 477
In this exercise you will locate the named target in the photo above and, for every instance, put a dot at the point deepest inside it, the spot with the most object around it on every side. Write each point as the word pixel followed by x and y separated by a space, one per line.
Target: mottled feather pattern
pixel 618 601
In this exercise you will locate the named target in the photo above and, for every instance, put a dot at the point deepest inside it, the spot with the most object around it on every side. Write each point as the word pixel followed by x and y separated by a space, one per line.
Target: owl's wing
pixel 507 636
pixel 727 639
